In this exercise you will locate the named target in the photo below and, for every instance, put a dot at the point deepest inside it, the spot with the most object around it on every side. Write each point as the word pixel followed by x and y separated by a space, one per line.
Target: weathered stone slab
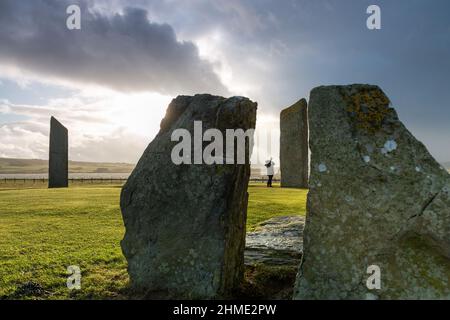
pixel 377 198
pixel 58 169
pixel 294 145
pixel 277 241
pixel 185 224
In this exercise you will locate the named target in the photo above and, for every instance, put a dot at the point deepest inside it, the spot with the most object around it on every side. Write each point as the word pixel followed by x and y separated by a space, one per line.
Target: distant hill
pixel 21 166
pixel 30 166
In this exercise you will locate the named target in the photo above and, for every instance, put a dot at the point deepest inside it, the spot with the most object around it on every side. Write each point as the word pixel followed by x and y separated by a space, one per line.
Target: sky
pixel 110 82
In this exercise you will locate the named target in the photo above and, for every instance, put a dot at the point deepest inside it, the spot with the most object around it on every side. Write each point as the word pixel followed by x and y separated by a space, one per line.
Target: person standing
pixel 270 172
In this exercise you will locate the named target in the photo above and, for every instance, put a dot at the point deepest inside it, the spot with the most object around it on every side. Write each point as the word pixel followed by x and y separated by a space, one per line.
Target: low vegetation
pixel 265 203
pixel 36 166
pixel 45 231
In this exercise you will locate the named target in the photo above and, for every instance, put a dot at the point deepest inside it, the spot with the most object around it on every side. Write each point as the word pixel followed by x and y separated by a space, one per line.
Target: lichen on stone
pixel 368 108
pixel 322 167
pixel 390 146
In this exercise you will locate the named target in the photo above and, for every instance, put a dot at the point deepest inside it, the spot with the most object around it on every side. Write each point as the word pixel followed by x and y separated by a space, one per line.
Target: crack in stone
pixel 425 206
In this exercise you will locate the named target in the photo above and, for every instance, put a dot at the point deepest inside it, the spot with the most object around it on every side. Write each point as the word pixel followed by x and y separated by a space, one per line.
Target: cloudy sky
pixel 111 81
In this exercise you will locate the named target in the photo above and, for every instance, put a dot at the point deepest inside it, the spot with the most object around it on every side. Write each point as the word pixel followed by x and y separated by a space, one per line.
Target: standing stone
pixel 185 224
pixel 58 169
pixel 294 145
pixel 377 199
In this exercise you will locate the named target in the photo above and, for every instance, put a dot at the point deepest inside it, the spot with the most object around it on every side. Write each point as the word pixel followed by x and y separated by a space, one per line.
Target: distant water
pixel 71 176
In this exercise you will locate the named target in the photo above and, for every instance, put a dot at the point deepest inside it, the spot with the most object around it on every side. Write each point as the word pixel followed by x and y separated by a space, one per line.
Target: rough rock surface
pixel 185 224
pixel 58 168
pixel 377 197
pixel 294 145
pixel 277 241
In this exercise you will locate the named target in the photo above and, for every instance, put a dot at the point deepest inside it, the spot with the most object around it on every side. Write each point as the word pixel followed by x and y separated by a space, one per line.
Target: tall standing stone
pixel 294 145
pixel 378 201
pixel 58 169
pixel 185 224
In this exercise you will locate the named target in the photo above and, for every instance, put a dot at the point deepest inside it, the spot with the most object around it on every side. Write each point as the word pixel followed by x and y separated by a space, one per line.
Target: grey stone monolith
pixel 185 224
pixel 378 209
pixel 294 145
pixel 58 166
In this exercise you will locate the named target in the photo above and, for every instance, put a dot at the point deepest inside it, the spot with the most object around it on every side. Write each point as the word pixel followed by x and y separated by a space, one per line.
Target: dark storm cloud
pixel 123 51
pixel 281 49
pixel 301 44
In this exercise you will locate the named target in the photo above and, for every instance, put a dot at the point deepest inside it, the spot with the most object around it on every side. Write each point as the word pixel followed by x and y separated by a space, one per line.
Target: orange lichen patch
pixel 368 108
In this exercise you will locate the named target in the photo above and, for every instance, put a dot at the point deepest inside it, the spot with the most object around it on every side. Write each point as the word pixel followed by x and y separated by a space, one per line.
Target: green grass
pixel 265 203
pixel 43 231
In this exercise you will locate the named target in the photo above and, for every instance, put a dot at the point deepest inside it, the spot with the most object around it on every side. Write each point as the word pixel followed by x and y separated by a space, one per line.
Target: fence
pixel 261 179
pixel 75 180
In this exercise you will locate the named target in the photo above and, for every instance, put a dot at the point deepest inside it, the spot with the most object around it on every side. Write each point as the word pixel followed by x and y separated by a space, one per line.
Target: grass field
pixel 43 231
